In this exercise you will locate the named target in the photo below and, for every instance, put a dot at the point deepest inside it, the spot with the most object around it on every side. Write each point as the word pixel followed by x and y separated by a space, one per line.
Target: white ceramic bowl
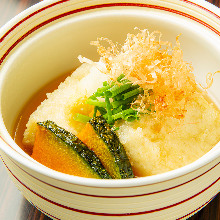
pixel 44 42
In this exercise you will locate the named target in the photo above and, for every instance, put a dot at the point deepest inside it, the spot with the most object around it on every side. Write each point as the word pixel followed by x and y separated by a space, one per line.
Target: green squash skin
pixel 87 155
pixel 114 145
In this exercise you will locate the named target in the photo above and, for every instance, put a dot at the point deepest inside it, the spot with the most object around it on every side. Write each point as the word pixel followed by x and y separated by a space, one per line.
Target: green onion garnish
pixel 120 77
pixel 96 102
pixel 109 110
pixel 116 104
pixel 113 101
pixel 81 118
pixel 117 89
pixel 132 93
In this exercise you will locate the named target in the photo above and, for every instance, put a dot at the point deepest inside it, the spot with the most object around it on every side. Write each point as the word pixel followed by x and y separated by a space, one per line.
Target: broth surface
pixel 30 107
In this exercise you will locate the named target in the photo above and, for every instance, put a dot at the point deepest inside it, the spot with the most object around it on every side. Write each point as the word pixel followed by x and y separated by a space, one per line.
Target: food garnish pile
pixel 126 115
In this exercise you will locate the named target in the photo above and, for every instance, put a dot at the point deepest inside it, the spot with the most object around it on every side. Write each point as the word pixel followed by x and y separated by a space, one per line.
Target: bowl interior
pixel 53 51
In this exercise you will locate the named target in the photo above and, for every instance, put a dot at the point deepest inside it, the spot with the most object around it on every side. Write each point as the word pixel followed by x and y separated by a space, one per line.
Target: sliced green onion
pixel 129 111
pixel 95 112
pixel 115 128
pixel 124 114
pixel 132 93
pixel 117 110
pixel 81 118
pixel 101 110
pixel 96 102
pixel 105 116
pixel 108 108
pixel 130 118
pixel 118 115
pixel 120 77
pixel 133 87
pixel 116 104
pixel 125 81
pixel 116 89
pixel 118 98
pixel 93 97
pixel 100 91
pixel 105 83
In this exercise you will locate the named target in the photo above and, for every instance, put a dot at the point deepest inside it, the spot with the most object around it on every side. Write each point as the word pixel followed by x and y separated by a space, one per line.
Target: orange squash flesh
pixel 89 137
pixel 52 152
pixel 81 107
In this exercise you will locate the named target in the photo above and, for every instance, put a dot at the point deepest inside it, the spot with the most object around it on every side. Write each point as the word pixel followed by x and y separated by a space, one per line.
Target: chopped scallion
pixel 132 93
pixel 96 102
pixel 113 101
pixel 108 108
pixel 120 77
pixel 116 104
pixel 116 89
pixel 81 118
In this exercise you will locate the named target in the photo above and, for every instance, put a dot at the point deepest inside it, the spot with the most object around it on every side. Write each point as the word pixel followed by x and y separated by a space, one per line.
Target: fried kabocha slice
pixel 100 138
pixel 62 151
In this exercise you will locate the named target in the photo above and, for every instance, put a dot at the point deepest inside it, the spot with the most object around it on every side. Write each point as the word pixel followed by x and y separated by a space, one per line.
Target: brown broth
pixel 30 107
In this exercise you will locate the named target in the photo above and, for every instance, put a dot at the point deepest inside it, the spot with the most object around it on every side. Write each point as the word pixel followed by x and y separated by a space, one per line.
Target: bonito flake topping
pixel 168 81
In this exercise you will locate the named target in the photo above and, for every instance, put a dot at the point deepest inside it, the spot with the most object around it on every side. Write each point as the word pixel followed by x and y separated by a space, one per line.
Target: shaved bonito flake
pixel 209 80
pixel 154 65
